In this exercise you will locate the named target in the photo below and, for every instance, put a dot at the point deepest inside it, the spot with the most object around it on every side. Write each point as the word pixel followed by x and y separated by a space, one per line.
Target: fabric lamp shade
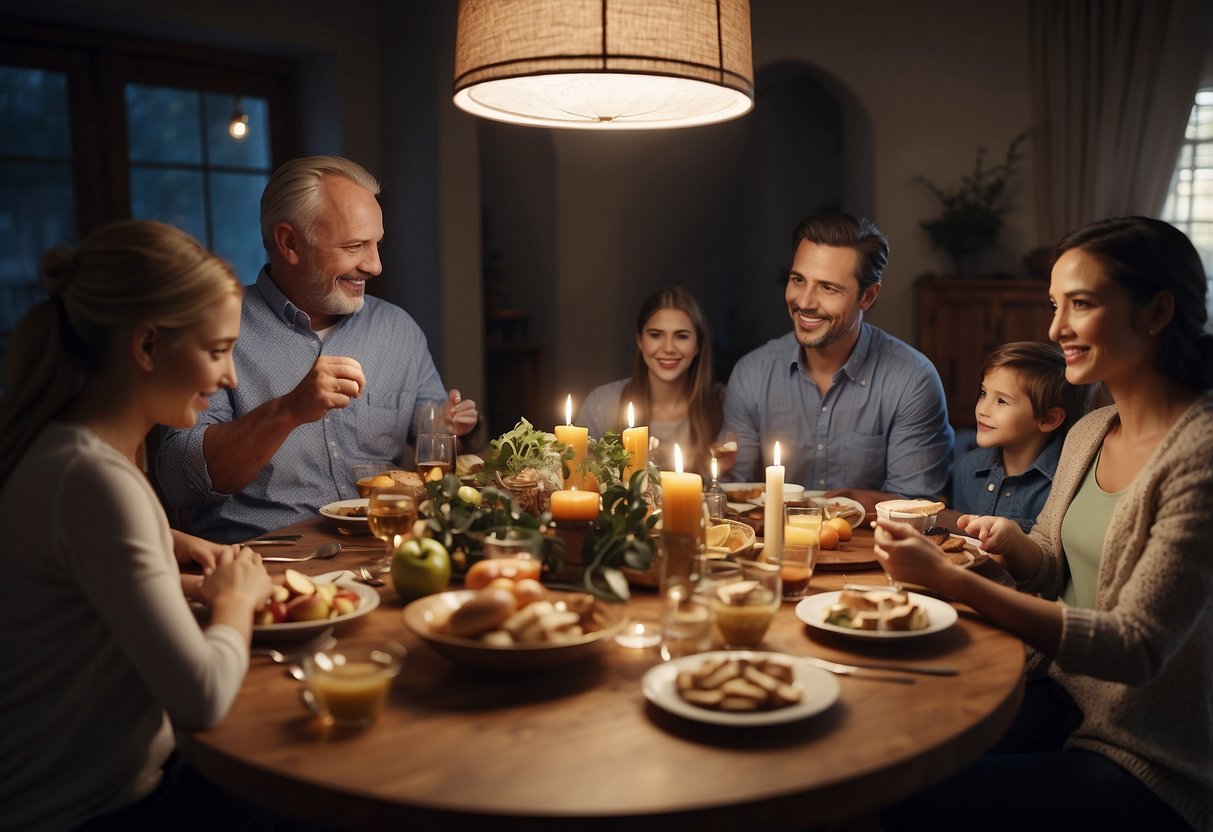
pixel 604 64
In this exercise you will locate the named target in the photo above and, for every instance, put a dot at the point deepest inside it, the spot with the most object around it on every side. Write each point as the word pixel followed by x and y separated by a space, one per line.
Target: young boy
pixel 1023 412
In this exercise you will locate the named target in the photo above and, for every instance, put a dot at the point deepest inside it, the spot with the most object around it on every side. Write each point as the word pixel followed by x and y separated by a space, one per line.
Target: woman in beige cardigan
pixel 1116 577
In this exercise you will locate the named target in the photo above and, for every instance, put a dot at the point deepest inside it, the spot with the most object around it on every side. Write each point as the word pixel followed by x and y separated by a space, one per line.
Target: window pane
pixel 236 221
pixel 37 213
pixel 162 124
pixel 169 195
pixel 253 151
pixel 33 113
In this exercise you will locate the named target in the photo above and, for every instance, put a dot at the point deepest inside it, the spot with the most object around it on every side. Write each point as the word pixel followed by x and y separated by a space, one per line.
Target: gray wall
pixel 593 223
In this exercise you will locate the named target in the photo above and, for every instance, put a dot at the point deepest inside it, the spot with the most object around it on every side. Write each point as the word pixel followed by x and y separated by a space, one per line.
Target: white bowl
pixel 903 511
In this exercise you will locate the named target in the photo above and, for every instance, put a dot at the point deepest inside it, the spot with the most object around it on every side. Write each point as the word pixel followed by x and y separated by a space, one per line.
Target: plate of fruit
pixel 300 606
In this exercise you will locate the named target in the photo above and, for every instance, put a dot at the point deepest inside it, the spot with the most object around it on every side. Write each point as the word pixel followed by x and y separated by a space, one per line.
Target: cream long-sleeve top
pixel 100 655
pixel 1140 664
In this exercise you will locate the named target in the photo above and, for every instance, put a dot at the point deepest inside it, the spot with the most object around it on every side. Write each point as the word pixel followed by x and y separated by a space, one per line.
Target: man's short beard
pixel 329 298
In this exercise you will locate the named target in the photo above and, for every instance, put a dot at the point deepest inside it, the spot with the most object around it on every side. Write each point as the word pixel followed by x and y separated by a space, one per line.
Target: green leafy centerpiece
pixel 527 462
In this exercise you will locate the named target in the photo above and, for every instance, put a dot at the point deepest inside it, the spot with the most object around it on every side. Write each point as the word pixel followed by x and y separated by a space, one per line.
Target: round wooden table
pixel 581 746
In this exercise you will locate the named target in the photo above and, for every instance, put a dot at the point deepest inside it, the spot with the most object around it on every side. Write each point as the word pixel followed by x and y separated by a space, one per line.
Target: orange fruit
pixel 829 536
pixel 842 527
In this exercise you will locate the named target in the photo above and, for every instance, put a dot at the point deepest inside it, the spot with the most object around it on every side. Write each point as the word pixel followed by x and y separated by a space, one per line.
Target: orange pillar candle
pixel 681 499
pixel 772 516
pixel 578 439
pixel 575 505
pixel 636 443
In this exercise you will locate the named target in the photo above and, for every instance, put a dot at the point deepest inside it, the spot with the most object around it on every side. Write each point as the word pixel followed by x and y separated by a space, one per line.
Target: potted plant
pixel 973 211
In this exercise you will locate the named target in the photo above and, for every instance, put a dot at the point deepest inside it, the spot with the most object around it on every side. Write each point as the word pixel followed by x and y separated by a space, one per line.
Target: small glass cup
pixel 363 476
pixel 744 601
pixel 717 504
pixel 801 547
pixel 522 547
pixel 429 416
pixel 435 455
pixel 687 621
pixel 348 685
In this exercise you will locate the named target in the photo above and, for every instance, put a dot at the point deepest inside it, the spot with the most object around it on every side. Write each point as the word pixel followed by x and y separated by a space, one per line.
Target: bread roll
pixel 484 611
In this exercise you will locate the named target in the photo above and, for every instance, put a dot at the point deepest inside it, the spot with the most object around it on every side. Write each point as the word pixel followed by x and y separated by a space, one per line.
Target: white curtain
pixel 1113 82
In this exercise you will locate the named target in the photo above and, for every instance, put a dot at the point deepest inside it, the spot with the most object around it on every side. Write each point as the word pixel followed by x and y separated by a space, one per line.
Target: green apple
pixel 420 566
pixel 468 495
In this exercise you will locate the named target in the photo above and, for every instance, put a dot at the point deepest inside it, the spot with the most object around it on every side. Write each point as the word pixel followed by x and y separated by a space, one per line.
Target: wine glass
pixel 391 512
pixel 435 455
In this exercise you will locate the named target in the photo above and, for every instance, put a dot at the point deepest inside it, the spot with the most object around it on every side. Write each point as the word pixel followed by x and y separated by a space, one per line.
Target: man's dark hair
pixel 846 231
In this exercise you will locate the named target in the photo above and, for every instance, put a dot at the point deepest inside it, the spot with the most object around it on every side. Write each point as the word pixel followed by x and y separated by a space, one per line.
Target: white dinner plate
pixel 940 616
pixel 739 500
pixel 348 525
pixel 368 599
pixel 819 690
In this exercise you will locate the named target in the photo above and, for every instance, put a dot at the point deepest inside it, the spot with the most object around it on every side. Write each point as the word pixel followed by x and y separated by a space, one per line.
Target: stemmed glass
pixel 435 455
pixel 391 512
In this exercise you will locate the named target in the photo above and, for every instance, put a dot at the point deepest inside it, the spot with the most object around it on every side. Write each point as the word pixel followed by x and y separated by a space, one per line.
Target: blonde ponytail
pixel 121 275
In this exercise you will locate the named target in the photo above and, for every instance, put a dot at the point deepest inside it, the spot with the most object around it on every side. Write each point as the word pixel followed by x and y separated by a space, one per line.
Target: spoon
pixel 322 552
pixel 367 578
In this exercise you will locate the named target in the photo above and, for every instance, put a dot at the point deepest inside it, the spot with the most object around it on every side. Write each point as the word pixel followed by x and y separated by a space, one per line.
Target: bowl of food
pixel 349 516
pixel 483 629
pixel 850 510
pixel 754 493
pixel 920 514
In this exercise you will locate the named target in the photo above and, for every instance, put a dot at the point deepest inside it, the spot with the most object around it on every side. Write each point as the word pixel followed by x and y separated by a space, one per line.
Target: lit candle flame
pixel 396 538
pixel 568 410
pixel 631 416
pixel 715 469
pixel 776 453
pixel 678 458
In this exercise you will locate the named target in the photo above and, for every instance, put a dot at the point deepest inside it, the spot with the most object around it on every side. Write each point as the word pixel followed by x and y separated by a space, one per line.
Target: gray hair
pixel 293 193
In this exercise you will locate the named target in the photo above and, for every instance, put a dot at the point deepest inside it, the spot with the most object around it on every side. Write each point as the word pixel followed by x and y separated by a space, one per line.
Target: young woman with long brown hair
pixel 671 389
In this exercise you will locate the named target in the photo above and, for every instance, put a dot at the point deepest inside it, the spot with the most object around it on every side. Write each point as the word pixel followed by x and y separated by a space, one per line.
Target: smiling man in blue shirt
pixel 855 410
pixel 327 377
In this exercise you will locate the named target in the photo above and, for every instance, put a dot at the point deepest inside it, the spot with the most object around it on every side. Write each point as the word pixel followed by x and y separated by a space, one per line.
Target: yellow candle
pixel 636 443
pixel 681 499
pixel 772 516
pixel 578 439
pixel 575 505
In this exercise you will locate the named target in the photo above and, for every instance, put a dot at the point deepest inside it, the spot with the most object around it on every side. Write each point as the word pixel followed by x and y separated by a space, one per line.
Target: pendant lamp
pixel 604 64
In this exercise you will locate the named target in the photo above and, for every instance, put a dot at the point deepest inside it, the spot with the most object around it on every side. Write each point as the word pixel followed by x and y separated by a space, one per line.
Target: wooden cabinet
pixel 960 321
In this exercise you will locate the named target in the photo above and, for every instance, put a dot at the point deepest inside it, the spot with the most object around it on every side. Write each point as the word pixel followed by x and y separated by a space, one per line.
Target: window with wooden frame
pixel 96 127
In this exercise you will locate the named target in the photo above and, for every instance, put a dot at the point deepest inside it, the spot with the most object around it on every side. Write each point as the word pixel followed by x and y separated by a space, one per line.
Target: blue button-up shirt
pixel 882 425
pixel 314 466
pixel 980 484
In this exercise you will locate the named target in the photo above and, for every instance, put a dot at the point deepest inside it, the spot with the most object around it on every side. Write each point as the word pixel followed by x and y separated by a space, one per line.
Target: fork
pixel 858 672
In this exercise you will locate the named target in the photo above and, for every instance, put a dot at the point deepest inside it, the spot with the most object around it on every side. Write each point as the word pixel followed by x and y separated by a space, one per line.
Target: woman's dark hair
pixel 703 407
pixel 1147 256
pixel 845 231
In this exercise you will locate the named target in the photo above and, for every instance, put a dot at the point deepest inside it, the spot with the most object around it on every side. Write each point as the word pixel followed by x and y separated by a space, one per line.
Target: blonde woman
pixel 102 655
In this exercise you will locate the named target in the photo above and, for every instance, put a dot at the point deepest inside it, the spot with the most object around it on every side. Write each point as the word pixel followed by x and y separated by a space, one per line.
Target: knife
pixel 895 668
pixel 271 537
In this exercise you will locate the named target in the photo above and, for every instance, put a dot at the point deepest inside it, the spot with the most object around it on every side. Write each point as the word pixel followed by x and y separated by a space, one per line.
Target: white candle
pixel 772 515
